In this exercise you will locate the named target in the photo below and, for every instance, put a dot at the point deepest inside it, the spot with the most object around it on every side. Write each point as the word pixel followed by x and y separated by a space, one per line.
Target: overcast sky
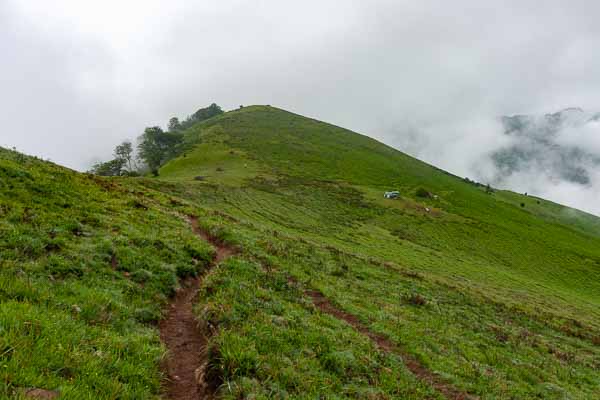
pixel 427 77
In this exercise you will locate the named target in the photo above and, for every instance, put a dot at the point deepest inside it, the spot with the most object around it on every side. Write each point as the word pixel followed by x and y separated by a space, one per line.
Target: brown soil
pixel 35 393
pixel 422 373
pixel 222 250
pixel 187 359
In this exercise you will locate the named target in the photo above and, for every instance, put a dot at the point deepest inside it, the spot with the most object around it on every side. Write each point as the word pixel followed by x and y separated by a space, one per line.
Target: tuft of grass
pixel 415 299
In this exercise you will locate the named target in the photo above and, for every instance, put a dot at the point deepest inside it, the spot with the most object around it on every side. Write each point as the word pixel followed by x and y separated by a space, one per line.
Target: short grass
pixel 273 344
pixel 86 265
pixel 214 163
pixel 472 338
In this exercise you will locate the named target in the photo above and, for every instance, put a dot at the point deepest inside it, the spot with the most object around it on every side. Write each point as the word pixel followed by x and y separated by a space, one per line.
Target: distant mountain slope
pixel 557 143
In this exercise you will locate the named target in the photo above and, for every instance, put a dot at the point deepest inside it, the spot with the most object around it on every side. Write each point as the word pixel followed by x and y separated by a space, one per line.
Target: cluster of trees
pixel 202 114
pixel 123 162
pixel 154 147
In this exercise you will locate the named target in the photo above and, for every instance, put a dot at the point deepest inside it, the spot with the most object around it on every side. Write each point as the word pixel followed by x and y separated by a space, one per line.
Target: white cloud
pixel 92 73
pixel 586 137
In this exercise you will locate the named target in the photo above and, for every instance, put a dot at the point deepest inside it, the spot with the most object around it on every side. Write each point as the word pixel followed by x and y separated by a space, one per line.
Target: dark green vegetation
pixel 123 163
pixel 154 147
pixel 497 299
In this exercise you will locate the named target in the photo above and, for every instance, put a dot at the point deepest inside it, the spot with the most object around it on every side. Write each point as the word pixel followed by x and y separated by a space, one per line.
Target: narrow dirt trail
pixel 180 331
pixel 187 344
pixel 414 366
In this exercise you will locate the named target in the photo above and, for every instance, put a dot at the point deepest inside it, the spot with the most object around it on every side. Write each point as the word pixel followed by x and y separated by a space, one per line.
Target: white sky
pixel 428 77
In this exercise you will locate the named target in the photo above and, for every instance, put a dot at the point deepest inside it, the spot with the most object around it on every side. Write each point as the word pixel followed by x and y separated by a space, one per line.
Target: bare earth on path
pixel 180 331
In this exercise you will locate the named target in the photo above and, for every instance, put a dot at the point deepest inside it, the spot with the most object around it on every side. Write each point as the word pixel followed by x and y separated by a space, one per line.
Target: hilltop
pixel 452 290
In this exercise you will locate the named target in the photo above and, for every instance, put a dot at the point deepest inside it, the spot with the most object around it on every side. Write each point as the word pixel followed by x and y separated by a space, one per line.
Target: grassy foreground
pixel 86 265
pixel 497 294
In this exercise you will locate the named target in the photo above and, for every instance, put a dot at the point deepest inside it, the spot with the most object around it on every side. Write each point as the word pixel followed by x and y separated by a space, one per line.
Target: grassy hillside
pixel 86 266
pixel 332 188
pixel 512 290
pixel 333 291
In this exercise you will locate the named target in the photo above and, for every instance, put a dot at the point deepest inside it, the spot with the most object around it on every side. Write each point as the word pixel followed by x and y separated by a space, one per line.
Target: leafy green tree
pixel 124 152
pixel 149 148
pixel 109 168
pixel 156 146
pixel 174 124
pixel 206 113
pixel 202 114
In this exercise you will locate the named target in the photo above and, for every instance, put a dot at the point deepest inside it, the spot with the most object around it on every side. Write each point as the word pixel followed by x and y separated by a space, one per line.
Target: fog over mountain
pixel 556 155
pixel 428 77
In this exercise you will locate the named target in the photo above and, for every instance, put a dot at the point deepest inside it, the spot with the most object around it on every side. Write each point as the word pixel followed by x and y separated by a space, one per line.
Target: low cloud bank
pixel 554 156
